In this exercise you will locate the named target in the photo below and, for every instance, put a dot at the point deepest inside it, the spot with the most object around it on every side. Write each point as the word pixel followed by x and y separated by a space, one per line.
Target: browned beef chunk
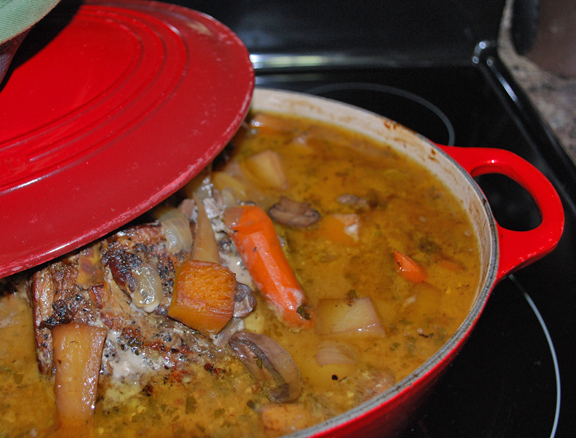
pixel 57 299
pixel 94 286
pixel 127 250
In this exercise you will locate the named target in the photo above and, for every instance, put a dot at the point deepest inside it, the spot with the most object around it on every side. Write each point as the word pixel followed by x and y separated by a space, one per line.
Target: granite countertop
pixel 554 96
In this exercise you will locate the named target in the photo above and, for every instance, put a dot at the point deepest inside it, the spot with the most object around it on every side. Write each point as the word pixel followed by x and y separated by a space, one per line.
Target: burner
pixel 408 109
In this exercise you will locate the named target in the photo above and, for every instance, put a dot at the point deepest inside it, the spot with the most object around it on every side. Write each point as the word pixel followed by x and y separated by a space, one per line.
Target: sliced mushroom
pixel 352 201
pixel 244 300
pixel 293 213
pixel 224 335
pixel 268 362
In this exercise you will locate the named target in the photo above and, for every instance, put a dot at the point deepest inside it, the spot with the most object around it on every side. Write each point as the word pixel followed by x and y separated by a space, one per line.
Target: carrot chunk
pixel 77 354
pixel 408 268
pixel 203 296
pixel 341 228
pixel 257 242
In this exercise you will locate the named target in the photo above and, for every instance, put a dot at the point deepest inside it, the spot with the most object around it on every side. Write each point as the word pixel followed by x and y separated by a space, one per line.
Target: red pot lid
pixel 123 103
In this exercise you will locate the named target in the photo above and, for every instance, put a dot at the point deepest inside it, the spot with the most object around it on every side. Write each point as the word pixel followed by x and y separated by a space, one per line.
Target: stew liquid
pixel 377 317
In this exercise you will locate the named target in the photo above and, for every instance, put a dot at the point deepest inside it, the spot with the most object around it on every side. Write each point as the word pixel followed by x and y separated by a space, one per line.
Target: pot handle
pixel 517 248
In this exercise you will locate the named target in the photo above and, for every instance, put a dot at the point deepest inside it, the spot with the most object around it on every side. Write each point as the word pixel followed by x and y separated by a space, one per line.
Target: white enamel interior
pixel 445 168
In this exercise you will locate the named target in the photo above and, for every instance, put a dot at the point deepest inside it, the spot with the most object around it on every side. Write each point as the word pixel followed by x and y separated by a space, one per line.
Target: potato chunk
pixel 223 181
pixel 348 318
pixel 266 167
pixel 77 354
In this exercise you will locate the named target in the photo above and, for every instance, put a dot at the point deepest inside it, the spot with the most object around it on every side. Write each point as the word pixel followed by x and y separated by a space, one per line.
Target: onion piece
pixel 177 232
pixel 343 229
pixel 333 352
pixel 147 293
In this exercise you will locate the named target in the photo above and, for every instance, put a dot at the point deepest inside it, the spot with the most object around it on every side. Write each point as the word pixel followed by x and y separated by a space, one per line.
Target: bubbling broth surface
pixel 372 201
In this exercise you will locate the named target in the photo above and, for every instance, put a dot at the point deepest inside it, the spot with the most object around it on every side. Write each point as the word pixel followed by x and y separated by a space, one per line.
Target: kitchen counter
pixel 552 95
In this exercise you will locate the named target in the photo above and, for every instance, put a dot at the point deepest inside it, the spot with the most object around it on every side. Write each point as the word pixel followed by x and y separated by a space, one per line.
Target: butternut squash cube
pixel 203 296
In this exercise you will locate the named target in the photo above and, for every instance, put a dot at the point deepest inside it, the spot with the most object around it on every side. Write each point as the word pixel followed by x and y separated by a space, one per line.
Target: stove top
pixel 436 70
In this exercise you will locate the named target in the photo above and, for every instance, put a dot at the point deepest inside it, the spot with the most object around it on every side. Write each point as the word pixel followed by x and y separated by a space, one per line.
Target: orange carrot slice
pixel 203 296
pixel 408 268
pixel 258 244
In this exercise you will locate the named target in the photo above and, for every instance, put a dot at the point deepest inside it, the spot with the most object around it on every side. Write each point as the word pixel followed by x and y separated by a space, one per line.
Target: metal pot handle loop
pixel 517 248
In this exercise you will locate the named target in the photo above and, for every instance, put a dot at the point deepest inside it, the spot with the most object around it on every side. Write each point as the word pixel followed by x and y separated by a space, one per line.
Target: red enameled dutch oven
pixel 501 250
pixel 92 137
